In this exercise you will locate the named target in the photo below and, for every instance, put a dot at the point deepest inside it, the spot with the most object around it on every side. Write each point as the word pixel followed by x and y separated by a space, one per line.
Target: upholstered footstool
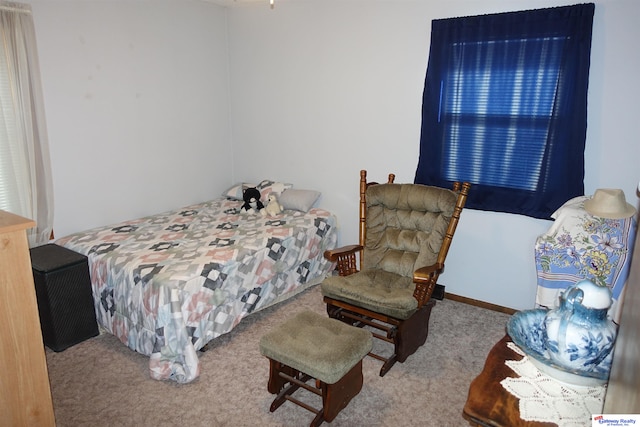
pixel 310 346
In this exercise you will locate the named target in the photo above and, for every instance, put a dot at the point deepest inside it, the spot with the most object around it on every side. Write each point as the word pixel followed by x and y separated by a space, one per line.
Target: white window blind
pixel 13 160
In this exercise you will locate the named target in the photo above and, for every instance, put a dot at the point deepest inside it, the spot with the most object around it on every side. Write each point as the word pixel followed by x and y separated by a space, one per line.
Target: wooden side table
pixel 488 403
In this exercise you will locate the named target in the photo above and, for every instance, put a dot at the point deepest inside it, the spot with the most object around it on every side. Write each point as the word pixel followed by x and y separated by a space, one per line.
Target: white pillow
pixel 299 200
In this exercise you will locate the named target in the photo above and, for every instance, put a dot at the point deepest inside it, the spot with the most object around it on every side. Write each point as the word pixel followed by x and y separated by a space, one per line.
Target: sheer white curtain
pixel 25 172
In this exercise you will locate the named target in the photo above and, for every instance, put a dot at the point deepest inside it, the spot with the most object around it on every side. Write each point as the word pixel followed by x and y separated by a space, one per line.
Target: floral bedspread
pixel 581 246
pixel 167 284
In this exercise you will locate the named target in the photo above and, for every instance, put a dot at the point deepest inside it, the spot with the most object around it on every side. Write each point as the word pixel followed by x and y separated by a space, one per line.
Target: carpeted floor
pixel 100 382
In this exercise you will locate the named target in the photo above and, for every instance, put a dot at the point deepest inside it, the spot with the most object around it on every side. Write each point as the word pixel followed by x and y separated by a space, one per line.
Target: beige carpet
pixel 100 382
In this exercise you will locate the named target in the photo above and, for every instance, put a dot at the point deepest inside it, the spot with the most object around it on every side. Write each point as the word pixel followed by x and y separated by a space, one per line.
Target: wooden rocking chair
pixel 405 234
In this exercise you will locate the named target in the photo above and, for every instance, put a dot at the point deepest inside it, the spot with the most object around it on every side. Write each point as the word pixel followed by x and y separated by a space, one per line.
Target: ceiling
pixel 231 3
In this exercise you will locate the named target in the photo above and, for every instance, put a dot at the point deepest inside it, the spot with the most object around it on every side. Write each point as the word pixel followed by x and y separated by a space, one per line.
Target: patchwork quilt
pixel 167 284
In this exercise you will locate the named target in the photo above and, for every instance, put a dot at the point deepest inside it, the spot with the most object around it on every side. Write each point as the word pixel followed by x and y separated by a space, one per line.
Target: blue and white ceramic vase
pixel 580 335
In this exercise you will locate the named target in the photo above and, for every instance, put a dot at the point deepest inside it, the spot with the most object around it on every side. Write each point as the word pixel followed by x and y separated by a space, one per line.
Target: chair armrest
pixel 333 254
pixel 425 279
pixel 425 274
pixel 345 258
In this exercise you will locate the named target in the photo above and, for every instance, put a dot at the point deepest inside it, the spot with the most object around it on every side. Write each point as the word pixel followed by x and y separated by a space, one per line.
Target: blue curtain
pixel 505 108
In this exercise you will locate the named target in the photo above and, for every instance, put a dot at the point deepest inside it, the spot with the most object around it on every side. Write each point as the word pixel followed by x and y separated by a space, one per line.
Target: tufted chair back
pixel 406 225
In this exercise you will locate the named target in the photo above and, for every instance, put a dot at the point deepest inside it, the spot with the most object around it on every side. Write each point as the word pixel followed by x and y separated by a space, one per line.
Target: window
pixel 504 108
pixel 25 177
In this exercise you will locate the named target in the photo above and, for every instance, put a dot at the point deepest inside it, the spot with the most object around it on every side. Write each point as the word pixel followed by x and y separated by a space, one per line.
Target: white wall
pixel 137 104
pixel 322 89
pixel 138 96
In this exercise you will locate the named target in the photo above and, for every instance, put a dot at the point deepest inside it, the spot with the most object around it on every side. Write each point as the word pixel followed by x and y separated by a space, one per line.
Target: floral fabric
pixel 581 246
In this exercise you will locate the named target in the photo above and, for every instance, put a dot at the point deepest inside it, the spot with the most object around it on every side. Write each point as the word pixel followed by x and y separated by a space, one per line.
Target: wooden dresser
pixel 25 396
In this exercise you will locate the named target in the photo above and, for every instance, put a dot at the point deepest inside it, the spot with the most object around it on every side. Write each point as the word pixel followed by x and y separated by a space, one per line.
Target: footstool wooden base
pixel 313 347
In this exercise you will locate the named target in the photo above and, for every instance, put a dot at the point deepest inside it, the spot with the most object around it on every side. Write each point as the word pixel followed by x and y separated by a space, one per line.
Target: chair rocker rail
pixel 358 313
pixel 363 320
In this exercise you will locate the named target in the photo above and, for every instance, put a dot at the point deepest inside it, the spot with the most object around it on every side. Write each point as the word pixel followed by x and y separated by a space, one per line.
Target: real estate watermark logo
pixel 615 420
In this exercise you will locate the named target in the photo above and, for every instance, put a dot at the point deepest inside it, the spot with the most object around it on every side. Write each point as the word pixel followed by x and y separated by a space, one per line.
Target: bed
pixel 167 284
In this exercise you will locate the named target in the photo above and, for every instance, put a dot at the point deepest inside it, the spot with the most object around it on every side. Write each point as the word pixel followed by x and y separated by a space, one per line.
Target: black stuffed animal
pixel 252 203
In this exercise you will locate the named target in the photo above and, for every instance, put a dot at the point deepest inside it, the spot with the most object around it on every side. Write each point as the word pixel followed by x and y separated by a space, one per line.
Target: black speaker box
pixel 63 291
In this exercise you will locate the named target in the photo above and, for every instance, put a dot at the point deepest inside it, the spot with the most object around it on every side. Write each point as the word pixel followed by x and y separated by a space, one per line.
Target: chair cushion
pixel 319 346
pixel 406 224
pixel 376 290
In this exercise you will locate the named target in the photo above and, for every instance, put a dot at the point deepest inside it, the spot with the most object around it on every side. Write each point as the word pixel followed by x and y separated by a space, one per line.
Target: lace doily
pixel 545 399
